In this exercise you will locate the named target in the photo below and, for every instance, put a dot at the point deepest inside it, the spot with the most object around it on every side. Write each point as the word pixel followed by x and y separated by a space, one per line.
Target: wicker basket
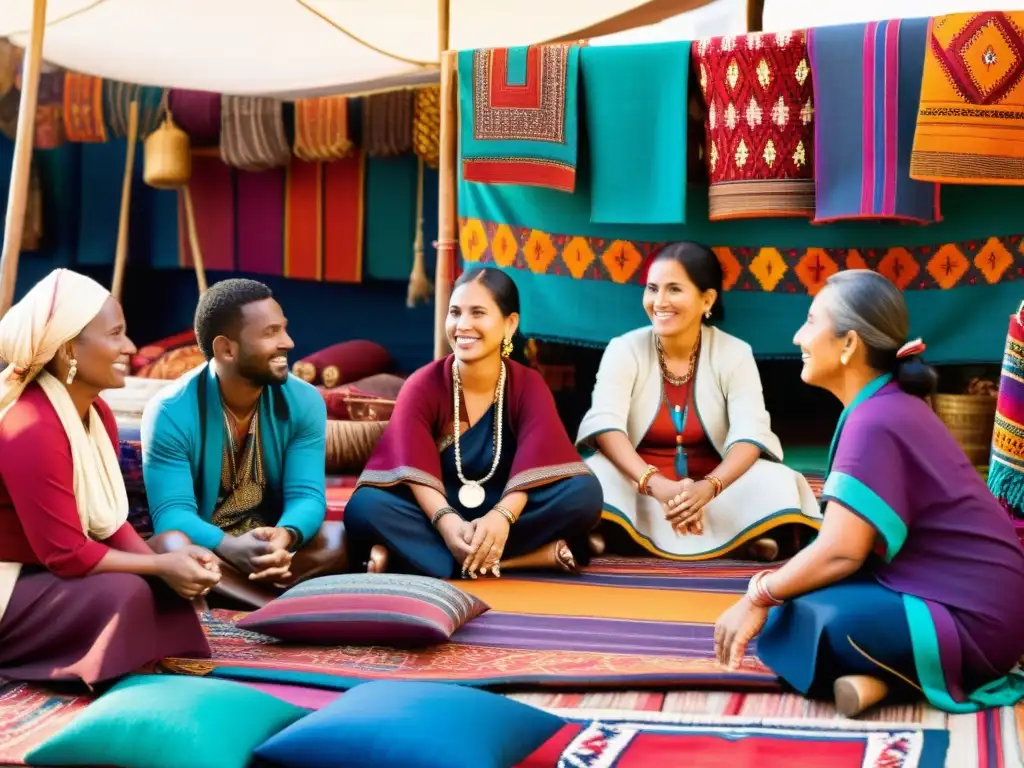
pixel 970 418
pixel 167 161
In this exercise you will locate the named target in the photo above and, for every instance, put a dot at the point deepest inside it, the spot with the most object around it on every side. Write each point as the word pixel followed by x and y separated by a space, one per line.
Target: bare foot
pixel 856 693
pixel 378 559
pixel 564 558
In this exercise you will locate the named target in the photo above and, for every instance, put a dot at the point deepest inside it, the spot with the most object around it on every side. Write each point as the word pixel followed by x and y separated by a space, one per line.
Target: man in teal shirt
pixel 233 452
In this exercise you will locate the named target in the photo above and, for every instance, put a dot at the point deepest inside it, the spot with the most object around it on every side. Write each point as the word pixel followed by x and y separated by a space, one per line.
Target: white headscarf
pixel 31 333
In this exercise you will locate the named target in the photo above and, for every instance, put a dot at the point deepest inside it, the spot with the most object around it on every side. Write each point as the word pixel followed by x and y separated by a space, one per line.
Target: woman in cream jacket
pixel 678 433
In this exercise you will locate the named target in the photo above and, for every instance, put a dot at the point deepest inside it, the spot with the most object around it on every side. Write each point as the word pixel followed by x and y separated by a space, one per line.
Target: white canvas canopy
pixel 290 48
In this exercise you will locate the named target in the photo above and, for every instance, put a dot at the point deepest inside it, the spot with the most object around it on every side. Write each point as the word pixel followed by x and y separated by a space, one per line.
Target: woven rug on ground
pixel 616 625
pixel 637 741
pixel 29 715
pixel 991 739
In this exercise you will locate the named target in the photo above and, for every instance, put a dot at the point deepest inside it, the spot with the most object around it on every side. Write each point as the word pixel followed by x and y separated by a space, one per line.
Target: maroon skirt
pixel 93 629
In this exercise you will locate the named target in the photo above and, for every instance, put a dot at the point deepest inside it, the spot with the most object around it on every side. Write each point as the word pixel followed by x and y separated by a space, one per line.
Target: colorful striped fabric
pixel 1006 468
pixel 344 186
pixel 252 135
pixel 378 608
pixel 615 626
pixel 303 221
pixel 867 85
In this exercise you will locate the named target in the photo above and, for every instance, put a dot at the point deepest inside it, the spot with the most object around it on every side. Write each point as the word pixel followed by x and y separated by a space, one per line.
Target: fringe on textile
pixel 117 99
pixel 426 125
pixel 387 123
pixel 252 135
pixel 321 129
pixel 1006 467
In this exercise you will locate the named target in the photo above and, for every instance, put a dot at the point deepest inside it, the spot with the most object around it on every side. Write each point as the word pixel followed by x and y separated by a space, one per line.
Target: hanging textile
pixel 259 221
pixel 252 133
pixel 83 108
pixel 321 129
pixel 637 131
pixel 387 123
pixel 213 200
pixel 426 125
pixel 390 217
pixel 759 125
pixel 867 83
pixel 197 113
pixel 518 110
pixel 1006 469
pixel 970 128
pixel 344 182
pixel 117 98
pixel 303 221
pixel 49 123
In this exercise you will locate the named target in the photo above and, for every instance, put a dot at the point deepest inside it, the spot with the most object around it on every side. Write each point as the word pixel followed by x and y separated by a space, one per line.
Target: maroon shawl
pixel 409 450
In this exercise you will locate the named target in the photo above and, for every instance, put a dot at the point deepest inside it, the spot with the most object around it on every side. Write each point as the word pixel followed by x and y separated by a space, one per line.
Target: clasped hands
pixel 684 502
pixel 263 554
pixel 478 545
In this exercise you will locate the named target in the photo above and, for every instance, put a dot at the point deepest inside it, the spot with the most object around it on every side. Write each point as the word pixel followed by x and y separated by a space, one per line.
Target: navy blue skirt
pixel 855 627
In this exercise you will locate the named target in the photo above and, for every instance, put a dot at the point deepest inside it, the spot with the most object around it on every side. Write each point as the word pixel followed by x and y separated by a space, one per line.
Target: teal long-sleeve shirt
pixel 182 488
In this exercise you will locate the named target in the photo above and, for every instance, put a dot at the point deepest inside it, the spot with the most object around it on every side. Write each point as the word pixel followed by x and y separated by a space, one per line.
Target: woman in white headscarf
pixel 75 600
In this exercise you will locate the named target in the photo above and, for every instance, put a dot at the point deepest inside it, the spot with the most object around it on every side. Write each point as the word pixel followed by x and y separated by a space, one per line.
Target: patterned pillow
pixel 367 609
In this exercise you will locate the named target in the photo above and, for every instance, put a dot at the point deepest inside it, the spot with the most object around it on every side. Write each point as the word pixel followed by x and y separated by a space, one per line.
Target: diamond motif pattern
pixel 947 266
pixel 768 267
pixel 779 270
pixel 993 260
pixel 504 246
pixel 577 256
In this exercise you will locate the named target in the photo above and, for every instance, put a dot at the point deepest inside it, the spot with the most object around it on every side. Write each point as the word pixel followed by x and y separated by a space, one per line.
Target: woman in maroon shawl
pixel 499 487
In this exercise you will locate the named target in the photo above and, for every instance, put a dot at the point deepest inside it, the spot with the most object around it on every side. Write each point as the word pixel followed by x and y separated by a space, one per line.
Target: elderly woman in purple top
pixel 913 585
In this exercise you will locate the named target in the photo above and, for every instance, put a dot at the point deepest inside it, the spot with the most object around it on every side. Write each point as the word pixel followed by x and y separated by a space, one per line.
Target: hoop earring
pixel 506 347
pixel 72 371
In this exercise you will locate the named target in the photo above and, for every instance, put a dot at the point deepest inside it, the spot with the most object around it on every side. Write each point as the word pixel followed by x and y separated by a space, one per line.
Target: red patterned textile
pixel 759 125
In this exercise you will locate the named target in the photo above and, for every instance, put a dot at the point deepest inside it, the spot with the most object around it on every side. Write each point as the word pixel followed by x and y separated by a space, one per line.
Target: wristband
pixel 441 513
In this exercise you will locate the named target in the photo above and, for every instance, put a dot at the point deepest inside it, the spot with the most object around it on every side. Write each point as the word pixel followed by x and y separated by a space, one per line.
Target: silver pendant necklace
pixel 471 493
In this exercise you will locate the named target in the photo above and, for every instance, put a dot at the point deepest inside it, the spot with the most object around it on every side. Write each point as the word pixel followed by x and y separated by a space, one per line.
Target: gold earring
pixel 506 347
pixel 72 371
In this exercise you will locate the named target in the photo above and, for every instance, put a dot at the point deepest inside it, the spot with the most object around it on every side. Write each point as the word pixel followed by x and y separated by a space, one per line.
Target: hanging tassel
pixel 420 287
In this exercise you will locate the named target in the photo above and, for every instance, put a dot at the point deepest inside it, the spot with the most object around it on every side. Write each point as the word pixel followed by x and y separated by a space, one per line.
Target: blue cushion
pixel 164 721
pixel 391 724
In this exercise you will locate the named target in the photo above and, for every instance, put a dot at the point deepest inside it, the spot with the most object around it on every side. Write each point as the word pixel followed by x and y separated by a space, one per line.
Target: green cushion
pixel 164 721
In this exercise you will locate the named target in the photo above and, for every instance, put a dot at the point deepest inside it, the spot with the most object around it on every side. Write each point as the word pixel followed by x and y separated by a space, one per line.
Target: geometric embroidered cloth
pixel 518 109
pixel 759 125
pixel 867 91
pixel 970 127
pixel 1006 468
pixel 769 268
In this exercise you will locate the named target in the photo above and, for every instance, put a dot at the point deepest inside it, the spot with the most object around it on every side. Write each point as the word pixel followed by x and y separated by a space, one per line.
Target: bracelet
pixel 641 484
pixel 758 592
pixel 441 513
pixel 715 483
pixel 504 512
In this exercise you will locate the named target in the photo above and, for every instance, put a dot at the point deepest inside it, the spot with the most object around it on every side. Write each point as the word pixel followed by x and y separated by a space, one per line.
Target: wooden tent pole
pixel 755 15
pixel 17 197
pixel 447 223
pixel 121 254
